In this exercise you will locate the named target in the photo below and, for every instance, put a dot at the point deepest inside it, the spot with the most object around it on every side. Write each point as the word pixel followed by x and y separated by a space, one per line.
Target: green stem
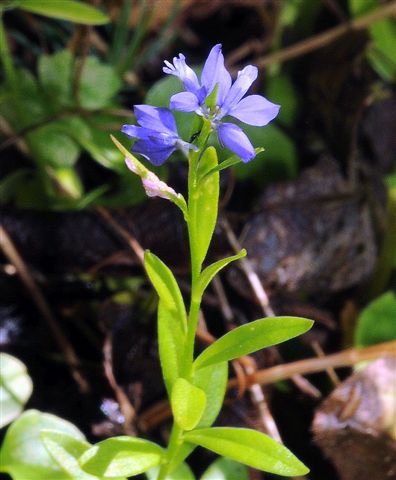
pixel 175 442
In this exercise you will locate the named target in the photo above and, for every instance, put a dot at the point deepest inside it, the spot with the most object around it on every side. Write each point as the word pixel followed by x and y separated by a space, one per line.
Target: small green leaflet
pixel 188 404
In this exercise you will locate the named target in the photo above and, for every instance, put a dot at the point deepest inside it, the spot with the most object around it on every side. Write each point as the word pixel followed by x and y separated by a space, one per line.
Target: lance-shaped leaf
pixel 249 447
pixel 72 10
pixel 210 271
pixel 182 472
pixel 252 337
pixel 171 341
pixel 121 456
pixel 206 199
pixel 188 404
pixel 167 288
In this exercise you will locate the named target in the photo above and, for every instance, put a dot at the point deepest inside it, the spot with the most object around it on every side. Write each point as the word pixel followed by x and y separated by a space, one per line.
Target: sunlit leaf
pixel 206 205
pixel 24 456
pixel 211 271
pixel 121 456
pixel 171 342
pixel 166 286
pixel 249 447
pixel 65 451
pixel 188 404
pixel 252 337
pixel 15 388
pixel 213 381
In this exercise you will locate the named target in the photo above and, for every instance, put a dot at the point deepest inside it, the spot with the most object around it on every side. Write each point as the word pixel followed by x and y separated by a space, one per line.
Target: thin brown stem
pixel 34 290
pixel 325 38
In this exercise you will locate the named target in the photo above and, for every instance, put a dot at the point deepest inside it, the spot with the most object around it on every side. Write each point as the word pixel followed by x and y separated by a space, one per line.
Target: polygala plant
pixel 195 385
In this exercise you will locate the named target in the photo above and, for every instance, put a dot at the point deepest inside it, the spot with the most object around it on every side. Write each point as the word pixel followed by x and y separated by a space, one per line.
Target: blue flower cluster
pixel 157 134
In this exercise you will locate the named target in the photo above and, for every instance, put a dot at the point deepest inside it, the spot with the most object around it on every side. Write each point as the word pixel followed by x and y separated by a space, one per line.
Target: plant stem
pixel 175 443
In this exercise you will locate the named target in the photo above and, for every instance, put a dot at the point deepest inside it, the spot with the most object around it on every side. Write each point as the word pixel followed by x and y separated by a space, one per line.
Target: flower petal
pixel 156 118
pixel 241 85
pixel 156 154
pixel 214 72
pixel 234 138
pixel 136 132
pixel 255 110
pixel 184 101
pixel 184 72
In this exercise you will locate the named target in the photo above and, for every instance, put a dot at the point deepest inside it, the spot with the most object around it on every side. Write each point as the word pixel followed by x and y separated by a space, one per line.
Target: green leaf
pixel 280 90
pixel 278 162
pixel 225 469
pixel 15 388
pixel 213 381
pixel 65 451
pixel 65 10
pixel 11 183
pixel 171 342
pixel 207 275
pixel 252 337
pixel 56 76
pixel 24 456
pixel 206 199
pixel 52 145
pixel 182 472
pixel 377 322
pixel 166 286
pixel 98 84
pixel 121 457
pixel 249 447
pixel 188 404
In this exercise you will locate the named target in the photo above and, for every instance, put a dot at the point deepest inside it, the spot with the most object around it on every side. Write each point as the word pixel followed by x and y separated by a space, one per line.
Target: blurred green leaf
pixel 377 322
pixel 121 456
pixel 24 456
pixel 15 388
pixel 52 145
pixel 56 75
pixel 382 51
pixel 99 82
pixel 278 162
pixel 13 182
pixel 249 447
pixel 252 337
pixel 225 469
pixel 71 10
pixel 280 90
pixel 188 404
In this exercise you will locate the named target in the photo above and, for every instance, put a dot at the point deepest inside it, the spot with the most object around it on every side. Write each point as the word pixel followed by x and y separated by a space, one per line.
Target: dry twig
pixel 72 360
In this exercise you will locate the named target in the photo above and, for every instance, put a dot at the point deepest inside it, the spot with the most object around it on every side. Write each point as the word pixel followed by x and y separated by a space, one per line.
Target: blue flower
pixel 253 109
pixel 157 134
